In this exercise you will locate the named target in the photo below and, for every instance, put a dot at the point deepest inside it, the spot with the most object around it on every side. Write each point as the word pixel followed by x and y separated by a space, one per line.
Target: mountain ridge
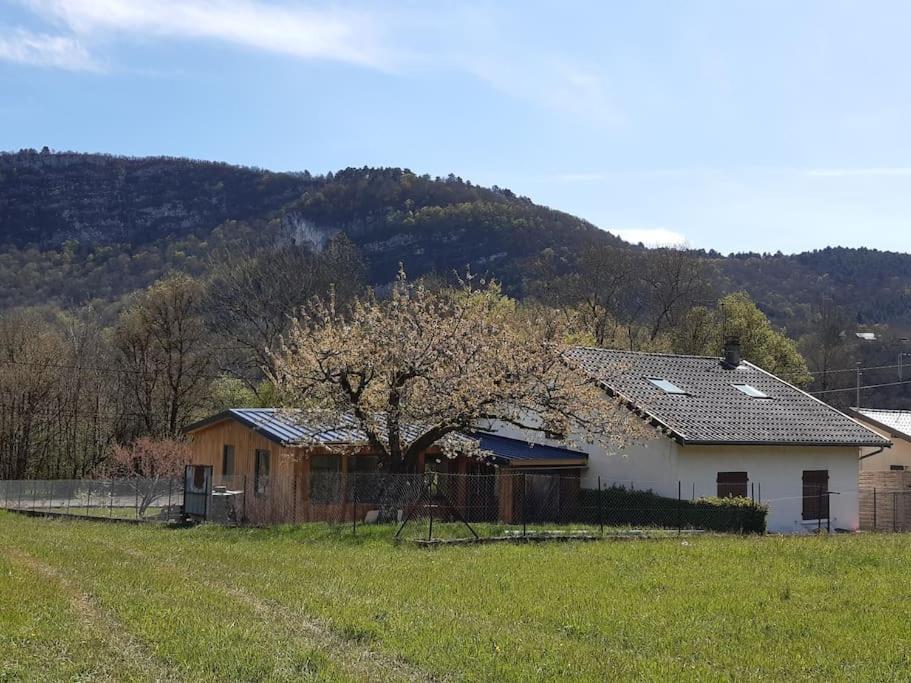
pixel 112 224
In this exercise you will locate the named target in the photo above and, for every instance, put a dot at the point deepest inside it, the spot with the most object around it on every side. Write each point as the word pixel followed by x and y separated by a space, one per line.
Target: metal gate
pixel 197 489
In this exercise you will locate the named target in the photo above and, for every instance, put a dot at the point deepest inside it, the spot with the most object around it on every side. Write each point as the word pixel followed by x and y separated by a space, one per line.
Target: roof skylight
pixel 751 391
pixel 667 386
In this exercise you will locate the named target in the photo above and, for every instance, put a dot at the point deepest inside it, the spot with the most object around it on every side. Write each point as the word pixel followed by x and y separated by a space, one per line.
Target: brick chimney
pixel 732 355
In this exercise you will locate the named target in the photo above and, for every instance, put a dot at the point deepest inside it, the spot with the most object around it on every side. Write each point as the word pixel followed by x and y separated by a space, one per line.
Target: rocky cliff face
pixel 48 198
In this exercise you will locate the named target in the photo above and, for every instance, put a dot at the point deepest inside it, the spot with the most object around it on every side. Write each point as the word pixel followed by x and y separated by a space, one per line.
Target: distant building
pixel 891 424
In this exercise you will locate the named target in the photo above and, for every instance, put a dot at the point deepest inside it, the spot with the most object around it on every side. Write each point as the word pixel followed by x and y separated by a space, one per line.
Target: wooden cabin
pixel 288 470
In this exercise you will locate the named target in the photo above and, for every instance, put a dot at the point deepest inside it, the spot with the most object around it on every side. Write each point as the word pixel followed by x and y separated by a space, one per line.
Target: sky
pixel 738 126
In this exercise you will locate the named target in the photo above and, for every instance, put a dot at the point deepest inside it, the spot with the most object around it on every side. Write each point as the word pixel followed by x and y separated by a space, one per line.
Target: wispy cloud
pixel 470 40
pixel 332 34
pixel 40 49
pixel 550 81
pixel 651 237
pixel 855 172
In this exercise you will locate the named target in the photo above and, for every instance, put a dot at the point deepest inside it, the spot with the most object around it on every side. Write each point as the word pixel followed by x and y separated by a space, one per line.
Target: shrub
pixel 622 506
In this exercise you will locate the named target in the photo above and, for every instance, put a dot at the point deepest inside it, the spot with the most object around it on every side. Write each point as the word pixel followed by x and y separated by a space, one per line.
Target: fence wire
pixel 148 499
pixel 443 505
pixel 439 505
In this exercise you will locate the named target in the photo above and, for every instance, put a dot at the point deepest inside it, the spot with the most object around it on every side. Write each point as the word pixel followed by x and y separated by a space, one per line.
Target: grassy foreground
pixel 96 601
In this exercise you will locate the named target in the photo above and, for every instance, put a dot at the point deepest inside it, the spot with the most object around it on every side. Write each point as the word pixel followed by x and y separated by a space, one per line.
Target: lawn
pixel 87 600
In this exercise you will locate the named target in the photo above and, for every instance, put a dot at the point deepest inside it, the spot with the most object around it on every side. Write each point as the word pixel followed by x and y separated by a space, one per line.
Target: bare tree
pixel 164 353
pixel 597 289
pixel 674 280
pixel 419 367
pixel 251 300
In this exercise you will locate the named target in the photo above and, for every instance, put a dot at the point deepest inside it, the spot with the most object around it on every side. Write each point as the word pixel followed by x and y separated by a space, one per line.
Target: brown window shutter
pixel 815 496
pixel 732 484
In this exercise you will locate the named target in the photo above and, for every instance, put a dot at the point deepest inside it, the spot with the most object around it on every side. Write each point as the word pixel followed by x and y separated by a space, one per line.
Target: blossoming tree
pixel 421 366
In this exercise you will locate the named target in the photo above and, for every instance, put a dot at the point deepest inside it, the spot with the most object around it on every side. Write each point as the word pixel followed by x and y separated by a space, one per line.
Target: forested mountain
pixel 76 228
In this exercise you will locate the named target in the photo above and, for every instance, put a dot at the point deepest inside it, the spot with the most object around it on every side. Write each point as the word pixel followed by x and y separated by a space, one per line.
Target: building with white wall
pixel 727 427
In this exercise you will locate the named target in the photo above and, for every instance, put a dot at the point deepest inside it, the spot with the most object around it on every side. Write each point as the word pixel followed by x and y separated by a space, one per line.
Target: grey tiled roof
pixel 897 422
pixel 713 411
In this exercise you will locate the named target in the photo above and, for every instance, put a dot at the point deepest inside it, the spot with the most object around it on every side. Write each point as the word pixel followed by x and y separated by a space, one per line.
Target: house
pixel 890 424
pixel 727 427
pixel 291 468
pixel 885 475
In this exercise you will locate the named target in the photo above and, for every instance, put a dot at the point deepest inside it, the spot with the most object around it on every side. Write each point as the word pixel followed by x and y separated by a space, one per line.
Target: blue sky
pixel 730 125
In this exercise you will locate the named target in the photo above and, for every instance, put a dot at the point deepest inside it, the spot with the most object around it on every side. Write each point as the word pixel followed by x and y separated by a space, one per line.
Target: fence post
pixel 819 509
pixel 243 514
pixel 136 510
pixel 524 496
pixel 170 488
pixel 753 492
pixel 69 495
pixel 759 491
pixel 354 504
pixel 19 504
pixel 430 528
pixel 874 508
pixel 894 511
pixel 679 509
pixel 600 509
pixel 293 495
pixel 35 495
pixel 111 501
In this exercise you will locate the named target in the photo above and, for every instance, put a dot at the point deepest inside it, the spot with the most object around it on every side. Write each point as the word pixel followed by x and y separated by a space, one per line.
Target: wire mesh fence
pixel 135 498
pixel 451 506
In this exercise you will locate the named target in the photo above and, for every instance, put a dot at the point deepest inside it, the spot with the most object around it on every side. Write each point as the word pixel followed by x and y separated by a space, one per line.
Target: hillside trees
pixel 703 331
pixel 59 404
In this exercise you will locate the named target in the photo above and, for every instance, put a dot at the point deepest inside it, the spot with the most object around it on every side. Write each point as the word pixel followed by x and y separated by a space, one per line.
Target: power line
pixel 855 369
pixel 869 386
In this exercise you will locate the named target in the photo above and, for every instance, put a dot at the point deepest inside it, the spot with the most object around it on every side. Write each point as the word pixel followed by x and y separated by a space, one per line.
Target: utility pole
pixel 901 374
pixel 859 375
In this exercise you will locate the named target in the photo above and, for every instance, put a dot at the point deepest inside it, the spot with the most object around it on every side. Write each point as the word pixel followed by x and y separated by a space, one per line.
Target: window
pixel 898 468
pixel 325 478
pixel 666 386
pixel 732 484
pixel 751 391
pixel 365 485
pixel 227 460
pixel 815 494
pixel 261 472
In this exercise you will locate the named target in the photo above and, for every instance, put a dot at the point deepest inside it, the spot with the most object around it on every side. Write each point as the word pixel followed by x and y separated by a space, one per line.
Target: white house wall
pixel 777 472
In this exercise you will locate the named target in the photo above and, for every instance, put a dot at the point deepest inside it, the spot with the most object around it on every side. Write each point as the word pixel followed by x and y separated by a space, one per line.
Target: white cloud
pixel 39 49
pixel 651 237
pixel 853 172
pixel 332 34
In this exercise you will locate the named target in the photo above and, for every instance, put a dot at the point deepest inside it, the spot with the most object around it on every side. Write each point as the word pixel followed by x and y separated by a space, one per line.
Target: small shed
pixel 289 468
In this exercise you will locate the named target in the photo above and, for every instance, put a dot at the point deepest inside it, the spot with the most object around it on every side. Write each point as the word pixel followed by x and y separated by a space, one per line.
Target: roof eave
pixel 815 444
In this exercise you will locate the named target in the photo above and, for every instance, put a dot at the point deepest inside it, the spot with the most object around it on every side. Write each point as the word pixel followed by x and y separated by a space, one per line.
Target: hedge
pixel 622 506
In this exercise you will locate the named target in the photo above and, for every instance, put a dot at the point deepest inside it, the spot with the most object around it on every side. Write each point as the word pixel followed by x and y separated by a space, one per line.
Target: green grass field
pixel 83 600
